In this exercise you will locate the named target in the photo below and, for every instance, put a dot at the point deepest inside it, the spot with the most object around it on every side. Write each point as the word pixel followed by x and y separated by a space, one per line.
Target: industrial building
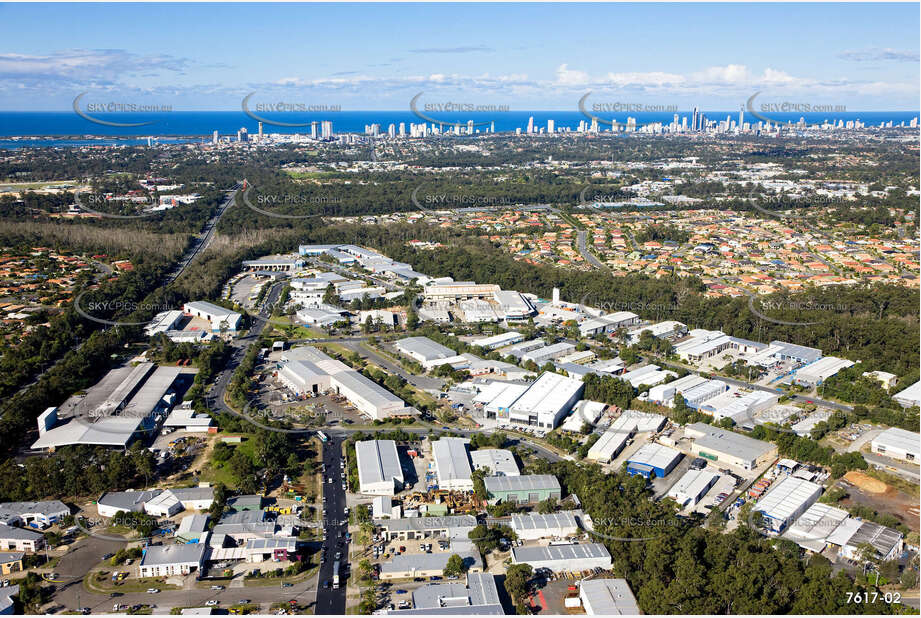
pixel 13 538
pixel 459 290
pixel 513 305
pixel 498 341
pixel 738 406
pixel 545 401
pixel 423 350
pixel 607 597
pixel 162 322
pixel 222 320
pixel 499 462
pixel 648 375
pixel 410 528
pixel 728 447
pixel 670 329
pixel 167 560
pixel 408 566
pixel 379 469
pixel 664 394
pixel 308 370
pixel 786 500
pixel 816 373
pixel 193 529
pixel 452 464
pixel 522 489
pixel 812 529
pixel 693 486
pixel 520 349
pixel 534 526
pixel 910 397
pixel 115 411
pixel 887 542
pixel 695 396
pixel 607 323
pixel 702 344
pixel 316 316
pixel 41 514
pixel 480 597
pixel 585 412
pixel 653 460
pixel 624 427
pixel 564 558
pixel 898 444
pixel 547 353
pixel 157 502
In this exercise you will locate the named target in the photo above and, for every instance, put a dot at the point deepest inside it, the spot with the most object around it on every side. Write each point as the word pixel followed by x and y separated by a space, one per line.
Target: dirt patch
pixel 866 483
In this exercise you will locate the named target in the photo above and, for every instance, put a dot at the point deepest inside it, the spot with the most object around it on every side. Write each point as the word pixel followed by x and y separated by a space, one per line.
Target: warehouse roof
pixel 787 496
pixel 426 348
pixel 19 534
pixel 900 439
pixel 570 551
pixel 524 482
pixel 367 389
pixel 654 455
pixel 128 500
pixel 882 539
pixel 47 508
pixel 547 394
pixel 726 441
pixel 609 597
pixel 192 524
pixel 420 524
pixel 451 460
pixel 159 555
pixel 812 528
pixel 800 352
pixel 499 461
pixel 549 521
pixel 480 592
pixel 404 563
pixel 209 308
pixel 378 461
pixel 693 482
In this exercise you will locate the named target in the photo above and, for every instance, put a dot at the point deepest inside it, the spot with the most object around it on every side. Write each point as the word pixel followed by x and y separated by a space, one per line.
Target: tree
pixel 455 566
pixel 516 581
pixel 545 507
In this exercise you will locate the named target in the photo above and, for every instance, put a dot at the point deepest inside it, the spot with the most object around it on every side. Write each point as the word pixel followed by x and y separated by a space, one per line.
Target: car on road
pixel 153 590
pixel 212 602
pixel 244 601
pixel 217 587
pixel 286 584
pixel 400 591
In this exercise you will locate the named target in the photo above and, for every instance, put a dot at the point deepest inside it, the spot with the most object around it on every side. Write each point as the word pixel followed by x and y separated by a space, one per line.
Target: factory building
pixel 423 350
pixel 379 469
pixel 694 397
pixel 648 375
pixel 546 401
pixel 653 460
pixel 607 597
pixel 520 349
pixel 547 353
pixel 702 344
pixel 852 538
pixel 513 305
pixel 910 397
pixel 786 500
pixel 534 526
pixel 459 290
pixel 409 566
pixel 410 528
pixel 898 444
pixel 452 464
pixel 563 558
pixel 499 462
pixel 814 527
pixel 728 447
pixel 498 341
pixel 739 407
pixel 222 320
pixel 819 371
pixel 624 427
pixel 35 514
pixel 664 394
pixel 167 560
pixel 670 329
pixel 607 323
pixel 585 412
pixel 693 486
pixel 522 489
pixel 479 597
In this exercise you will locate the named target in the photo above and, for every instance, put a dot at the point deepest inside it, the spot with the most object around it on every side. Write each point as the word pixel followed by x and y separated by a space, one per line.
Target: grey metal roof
pixel 451 460
pixel 245 501
pixel 403 563
pixel 425 347
pixel 367 389
pixel 609 597
pixel 193 493
pixel 378 461
pixel 420 524
pixel 544 553
pixel 19 534
pixel 882 539
pixel 524 482
pixel 158 555
pixel 730 442
pixel 128 500
pixel 537 521
pixel 48 508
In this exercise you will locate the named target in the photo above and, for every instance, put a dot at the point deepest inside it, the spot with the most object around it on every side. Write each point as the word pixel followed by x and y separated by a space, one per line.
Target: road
pixel 586 254
pixel 335 524
pixel 425 383
pixel 203 241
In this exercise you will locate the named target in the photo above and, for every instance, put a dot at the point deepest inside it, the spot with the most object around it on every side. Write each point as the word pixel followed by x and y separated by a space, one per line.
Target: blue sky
pixel 526 56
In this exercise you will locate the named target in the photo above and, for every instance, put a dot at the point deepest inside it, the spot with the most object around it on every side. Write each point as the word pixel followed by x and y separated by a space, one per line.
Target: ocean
pixel 67 129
